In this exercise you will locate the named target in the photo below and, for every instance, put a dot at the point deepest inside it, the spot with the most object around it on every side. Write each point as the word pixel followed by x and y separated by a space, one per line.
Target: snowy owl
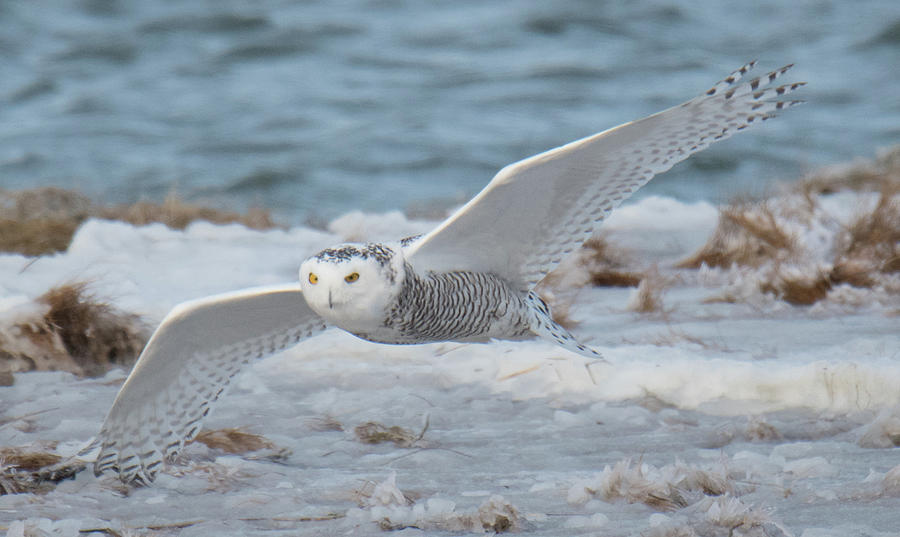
pixel 469 279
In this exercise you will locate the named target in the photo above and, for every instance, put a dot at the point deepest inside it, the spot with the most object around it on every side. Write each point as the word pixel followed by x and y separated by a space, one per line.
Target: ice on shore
pixel 756 415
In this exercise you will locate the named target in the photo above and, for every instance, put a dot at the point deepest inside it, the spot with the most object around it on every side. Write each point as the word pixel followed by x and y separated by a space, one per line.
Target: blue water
pixel 313 108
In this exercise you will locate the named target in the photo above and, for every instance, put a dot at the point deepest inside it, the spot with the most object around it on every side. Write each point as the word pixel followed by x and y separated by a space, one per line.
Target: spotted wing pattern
pixel 536 211
pixel 187 364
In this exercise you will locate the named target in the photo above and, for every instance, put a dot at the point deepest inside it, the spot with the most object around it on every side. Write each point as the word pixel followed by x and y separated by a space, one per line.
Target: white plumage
pixel 470 279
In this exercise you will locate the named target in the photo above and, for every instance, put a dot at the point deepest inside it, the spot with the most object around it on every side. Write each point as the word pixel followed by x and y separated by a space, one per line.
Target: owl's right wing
pixel 536 211
pixel 188 362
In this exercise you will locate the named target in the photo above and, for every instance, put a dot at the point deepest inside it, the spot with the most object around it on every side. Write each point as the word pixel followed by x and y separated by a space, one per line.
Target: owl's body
pixel 405 307
pixel 451 306
pixel 472 278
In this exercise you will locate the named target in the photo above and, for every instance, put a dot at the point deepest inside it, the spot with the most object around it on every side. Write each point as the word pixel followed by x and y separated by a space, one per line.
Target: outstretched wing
pixel 186 365
pixel 537 210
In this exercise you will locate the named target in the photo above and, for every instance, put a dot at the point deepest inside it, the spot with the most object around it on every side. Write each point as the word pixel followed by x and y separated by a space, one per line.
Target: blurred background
pixel 313 108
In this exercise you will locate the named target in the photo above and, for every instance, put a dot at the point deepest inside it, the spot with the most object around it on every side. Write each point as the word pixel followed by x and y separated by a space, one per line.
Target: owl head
pixel 353 285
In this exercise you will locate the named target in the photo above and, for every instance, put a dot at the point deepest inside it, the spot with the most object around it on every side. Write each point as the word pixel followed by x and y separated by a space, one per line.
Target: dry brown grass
pixel 375 433
pixel 36 236
pixel 760 430
pixel 607 264
pixel 868 248
pixel 798 289
pixel 93 333
pixel 874 238
pixel 859 176
pixel 754 235
pixel 324 423
pixel 76 333
pixel 43 220
pixel 33 470
pixel 669 488
pixel 648 298
pixel 178 214
pixel 237 442
pixel 234 441
pixel 748 234
pixel 27 460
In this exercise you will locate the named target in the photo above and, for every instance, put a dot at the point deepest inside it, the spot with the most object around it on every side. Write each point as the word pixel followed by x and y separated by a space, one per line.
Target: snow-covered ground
pixel 709 418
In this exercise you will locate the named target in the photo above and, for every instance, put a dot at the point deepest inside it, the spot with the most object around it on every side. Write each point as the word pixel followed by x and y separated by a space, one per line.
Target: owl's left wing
pixel 535 211
pixel 187 364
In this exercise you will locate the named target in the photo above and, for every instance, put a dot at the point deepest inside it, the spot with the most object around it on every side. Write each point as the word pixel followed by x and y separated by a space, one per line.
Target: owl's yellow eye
pixel 313 279
pixel 352 277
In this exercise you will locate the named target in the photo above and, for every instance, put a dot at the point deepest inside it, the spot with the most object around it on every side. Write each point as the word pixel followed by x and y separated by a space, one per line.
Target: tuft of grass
pixel 759 430
pixel 95 335
pixel 756 236
pixel 42 221
pixel 27 460
pixel 867 249
pixel 606 264
pixel 237 442
pixel 495 515
pixel 234 441
pixel 748 234
pixel 33 471
pixel 665 489
pixel 873 239
pixel 375 433
pixel 648 296
pixel 859 176
pixel 798 289
pixel 76 333
pixel 325 423
pixel 178 214
pixel 36 236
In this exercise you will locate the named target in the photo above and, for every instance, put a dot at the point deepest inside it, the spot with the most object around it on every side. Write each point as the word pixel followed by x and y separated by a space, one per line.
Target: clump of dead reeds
pixel 95 335
pixel 33 470
pixel 599 262
pixel 607 265
pixel 376 433
pixel 760 430
pixel 393 509
pixel 865 251
pixel 873 239
pixel 238 442
pixel 748 234
pixel 72 332
pixel 764 236
pixel 324 423
pixel 648 296
pixel 234 441
pixel 669 488
pixel 43 220
pixel 178 214
pixel 861 175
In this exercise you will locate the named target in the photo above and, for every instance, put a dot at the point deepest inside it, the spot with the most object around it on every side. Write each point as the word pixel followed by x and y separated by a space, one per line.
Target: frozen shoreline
pixel 792 410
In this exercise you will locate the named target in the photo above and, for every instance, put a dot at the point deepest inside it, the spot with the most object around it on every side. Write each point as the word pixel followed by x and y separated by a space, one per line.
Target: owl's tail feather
pixel 543 325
